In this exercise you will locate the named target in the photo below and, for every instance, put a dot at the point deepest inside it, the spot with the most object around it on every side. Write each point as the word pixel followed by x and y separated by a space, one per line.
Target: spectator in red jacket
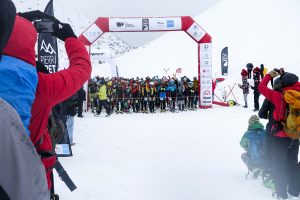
pixel 285 170
pixel 53 88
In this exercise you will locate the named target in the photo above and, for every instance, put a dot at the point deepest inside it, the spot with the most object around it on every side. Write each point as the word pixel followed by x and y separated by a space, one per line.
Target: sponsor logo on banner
pixel 196 32
pixel 128 24
pixel 161 23
pixel 93 33
pixel 145 24
pixel 170 23
pixel 206 92
pixel 120 24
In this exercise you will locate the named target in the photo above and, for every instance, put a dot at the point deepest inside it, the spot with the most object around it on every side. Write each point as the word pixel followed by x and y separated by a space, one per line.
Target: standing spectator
pixel 172 90
pixel 152 95
pixel 162 97
pixel 195 86
pixel 256 79
pixel 93 95
pixel 249 67
pixel 180 100
pixel 191 96
pixel 70 128
pixel 81 99
pixel 103 98
pixel 245 87
pixel 51 88
pixel 266 112
pixel 23 175
pixel 110 96
pixel 285 169
pixel 262 69
pixel 135 97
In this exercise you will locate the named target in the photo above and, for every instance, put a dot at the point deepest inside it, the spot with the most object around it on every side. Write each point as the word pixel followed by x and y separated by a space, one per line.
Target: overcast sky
pixel 139 8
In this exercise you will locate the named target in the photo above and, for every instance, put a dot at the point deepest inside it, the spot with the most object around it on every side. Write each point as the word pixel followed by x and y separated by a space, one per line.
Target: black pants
pixel 80 108
pixel 104 104
pixel 269 139
pixel 285 169
pixel 256 100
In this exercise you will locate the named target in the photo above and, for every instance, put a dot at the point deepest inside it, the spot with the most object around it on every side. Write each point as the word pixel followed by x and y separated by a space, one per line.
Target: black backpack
pixel 57 122
pixel 70 106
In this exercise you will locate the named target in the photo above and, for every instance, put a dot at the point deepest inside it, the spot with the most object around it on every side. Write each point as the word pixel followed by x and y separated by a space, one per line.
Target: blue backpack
pixel 254 157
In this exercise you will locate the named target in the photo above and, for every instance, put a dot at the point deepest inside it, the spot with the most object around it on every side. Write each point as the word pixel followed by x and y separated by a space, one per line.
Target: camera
pixel 44 26
pixel 279 71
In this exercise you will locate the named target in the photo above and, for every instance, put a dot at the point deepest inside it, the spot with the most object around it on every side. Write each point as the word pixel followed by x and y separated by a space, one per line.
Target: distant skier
pixel 245 87
pixel 249 67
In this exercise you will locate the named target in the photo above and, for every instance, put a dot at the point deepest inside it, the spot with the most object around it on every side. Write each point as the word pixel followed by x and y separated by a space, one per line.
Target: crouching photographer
pixel 51 88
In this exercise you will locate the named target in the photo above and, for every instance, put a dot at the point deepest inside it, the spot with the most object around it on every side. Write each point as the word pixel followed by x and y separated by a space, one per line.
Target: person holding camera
pixel 51 88
pixel 22 173
pixel 284 149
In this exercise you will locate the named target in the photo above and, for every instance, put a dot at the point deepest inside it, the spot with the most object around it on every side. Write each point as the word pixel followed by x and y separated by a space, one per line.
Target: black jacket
pixel 81 95
pixel 266 112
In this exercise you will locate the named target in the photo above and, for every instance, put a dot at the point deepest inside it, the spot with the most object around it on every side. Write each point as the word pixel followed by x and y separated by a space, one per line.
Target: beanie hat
pixel 244 73
pixel 288 79
pixel 256 70
pixel 253 119
pixel 7 20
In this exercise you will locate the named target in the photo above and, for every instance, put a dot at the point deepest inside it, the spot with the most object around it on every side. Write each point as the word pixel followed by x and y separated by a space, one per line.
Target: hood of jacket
pixel 22 41
pixel 7 19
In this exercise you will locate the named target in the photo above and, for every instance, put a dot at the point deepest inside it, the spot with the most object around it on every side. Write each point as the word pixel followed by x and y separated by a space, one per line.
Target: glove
pixel 36 15
pixel 273 73
pixel 63 31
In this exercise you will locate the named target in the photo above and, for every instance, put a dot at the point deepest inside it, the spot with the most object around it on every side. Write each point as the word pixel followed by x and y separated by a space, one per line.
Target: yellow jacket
pixel 102 92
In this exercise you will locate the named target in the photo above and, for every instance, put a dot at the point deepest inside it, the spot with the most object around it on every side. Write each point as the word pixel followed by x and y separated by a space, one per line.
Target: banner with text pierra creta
pixel 47 45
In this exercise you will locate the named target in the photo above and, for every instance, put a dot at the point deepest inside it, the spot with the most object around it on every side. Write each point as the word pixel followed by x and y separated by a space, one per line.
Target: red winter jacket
pixel 276 98
pixel 51 88
pixel 55 88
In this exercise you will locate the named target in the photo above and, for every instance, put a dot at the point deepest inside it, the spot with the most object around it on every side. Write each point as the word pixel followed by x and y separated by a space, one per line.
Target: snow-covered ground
pixel 189 155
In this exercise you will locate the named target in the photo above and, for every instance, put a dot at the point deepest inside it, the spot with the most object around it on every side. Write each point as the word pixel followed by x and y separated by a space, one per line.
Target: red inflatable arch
pixel 160 24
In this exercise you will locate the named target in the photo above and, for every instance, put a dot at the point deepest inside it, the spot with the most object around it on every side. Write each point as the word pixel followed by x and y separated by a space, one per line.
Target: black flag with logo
pixel 224 61
pixel 47 45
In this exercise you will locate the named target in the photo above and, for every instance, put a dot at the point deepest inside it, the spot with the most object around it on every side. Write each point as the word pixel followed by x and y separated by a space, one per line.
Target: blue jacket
pixel 171 87
pixel 18 82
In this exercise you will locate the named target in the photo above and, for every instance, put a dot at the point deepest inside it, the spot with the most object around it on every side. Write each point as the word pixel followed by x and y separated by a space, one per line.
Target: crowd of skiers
pixel 273 152
pixel 27 97
pixel 139 95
